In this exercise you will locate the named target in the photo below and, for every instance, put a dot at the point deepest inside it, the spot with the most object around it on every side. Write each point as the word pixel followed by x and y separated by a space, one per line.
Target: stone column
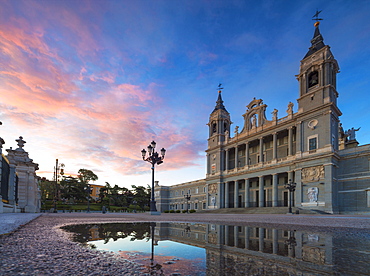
pixel 261 234
pixel 236 194
pixel 247 230
pixel 261 192
pixel 226 194
pixel 226 235
pixel 275 241
pixel 236 243
pixel 299 134
pixel 219 195
pixel 298 190
pixel 291 177
pixel 275 190
pixel 247 192
pixel 236 157
pixel 226 159
pixel 247 153
pixel 298 137
pixel 261 149
pixel 290 141
pixel 12 196
pixel 330 190
pixel 274 145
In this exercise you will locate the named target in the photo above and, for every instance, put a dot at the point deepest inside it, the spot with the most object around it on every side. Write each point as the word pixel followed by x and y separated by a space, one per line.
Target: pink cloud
pixel 76 112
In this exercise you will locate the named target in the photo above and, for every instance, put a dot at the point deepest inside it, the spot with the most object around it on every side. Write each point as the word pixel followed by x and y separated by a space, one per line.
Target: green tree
pixel 86 176
pixel 73 189
pixel 47 189
pixel 141 195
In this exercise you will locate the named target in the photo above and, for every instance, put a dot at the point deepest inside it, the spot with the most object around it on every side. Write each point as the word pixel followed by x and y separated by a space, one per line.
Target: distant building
pixel 19 183
pixel 95 191
pixel 249 167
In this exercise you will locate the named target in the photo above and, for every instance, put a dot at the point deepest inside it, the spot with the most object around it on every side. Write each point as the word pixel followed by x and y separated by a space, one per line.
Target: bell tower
pixel 219 122
pixel 318 112
pixel 317 75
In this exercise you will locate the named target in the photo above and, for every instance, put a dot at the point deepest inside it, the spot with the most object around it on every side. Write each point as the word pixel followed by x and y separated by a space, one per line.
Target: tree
pixel 71 188
pixel 141 195
pixel 47 189
pixel 86 176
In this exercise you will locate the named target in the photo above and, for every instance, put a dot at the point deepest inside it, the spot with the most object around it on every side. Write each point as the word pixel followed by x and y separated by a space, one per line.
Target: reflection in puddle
pixel 210 249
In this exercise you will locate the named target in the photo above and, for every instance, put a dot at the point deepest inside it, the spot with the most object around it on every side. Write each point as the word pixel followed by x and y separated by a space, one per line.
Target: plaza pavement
pixel 10 222
pixel 34 244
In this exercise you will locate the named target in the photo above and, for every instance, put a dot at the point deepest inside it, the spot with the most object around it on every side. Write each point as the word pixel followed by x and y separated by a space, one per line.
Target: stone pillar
pixel 247 231
pixel 12 196
pixel 247 193
pixel 330 190
pixel 247 153
pixel 290 141
pixel 261 149
pixel 291 177
pixel 1 160
pixel 275 241
pixel 300 140
pixel 28 192
pixel 236 243
pixel 227 159
pixel 299 137
pixel 236 157
pixel 275 190
pixel 226 194
pixel 226 235
pixel 261 192
pixel 298 190
pixel 236 194
pixel 261 234
pixel 219 195
pixel 274 145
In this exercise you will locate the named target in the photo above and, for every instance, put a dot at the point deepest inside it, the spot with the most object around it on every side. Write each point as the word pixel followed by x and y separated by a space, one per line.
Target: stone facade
pixel 309 147
pixel 19 183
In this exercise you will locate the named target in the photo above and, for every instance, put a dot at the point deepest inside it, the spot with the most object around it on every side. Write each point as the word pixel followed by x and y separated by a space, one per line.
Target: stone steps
pixel 261 210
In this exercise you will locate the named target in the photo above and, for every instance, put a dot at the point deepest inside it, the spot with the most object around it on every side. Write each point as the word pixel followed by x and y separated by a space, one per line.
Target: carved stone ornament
pixel 313 255
pixel 212 188
pixel 212 238
pixel 312 124
pixel 313 174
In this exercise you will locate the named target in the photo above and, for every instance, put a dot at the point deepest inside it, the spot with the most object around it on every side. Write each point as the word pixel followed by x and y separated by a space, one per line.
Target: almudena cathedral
pixel 250 167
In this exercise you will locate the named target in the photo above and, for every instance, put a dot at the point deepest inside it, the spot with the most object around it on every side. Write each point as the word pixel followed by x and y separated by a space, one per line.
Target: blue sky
pixel 92 83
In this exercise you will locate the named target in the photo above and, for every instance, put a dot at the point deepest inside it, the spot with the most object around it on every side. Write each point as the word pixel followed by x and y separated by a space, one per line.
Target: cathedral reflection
pixel 246 250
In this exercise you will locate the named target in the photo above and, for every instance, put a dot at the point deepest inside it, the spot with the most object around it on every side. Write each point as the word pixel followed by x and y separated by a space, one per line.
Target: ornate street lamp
pixel 88 189
pixel 187 197
pixel 153 158
pixel 57 168
pixel 291 187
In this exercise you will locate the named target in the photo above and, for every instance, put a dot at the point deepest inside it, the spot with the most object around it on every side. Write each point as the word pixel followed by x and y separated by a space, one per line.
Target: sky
pixel 92 83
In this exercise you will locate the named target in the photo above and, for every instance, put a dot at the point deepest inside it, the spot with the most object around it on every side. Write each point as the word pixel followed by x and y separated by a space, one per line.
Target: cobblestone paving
pixel 42 248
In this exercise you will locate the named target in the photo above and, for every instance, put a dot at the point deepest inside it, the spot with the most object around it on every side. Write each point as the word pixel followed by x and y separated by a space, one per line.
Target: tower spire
pixel 317 42
pixel 219 102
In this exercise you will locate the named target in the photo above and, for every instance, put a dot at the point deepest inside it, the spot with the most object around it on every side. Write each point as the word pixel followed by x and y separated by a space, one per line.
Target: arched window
pixel 313 79
pixel 214 127
pixel 225 126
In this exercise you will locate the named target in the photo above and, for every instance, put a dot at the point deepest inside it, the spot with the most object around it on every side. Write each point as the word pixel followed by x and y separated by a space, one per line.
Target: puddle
pixel 211 249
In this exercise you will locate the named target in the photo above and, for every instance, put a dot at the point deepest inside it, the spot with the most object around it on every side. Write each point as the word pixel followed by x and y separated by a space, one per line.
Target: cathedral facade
pixel 308 150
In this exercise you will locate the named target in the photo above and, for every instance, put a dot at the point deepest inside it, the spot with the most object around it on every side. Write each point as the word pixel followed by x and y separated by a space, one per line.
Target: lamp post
pixel 88 197
pixel 291 187
pixel 187 197
pixel 56 176
pixel 153 158
pixel 154 269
